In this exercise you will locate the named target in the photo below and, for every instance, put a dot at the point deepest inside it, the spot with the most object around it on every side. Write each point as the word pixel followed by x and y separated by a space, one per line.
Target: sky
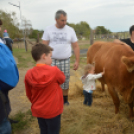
pixel 116 15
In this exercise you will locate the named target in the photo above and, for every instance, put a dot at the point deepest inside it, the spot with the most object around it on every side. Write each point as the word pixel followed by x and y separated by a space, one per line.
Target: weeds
pixel 23 120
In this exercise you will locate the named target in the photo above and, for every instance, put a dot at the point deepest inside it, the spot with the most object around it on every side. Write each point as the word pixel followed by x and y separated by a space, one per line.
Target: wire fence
pixel 108 37
pixel 19 43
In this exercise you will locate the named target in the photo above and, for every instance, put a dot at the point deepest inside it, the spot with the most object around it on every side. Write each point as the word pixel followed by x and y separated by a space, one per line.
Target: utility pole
pixel 20 20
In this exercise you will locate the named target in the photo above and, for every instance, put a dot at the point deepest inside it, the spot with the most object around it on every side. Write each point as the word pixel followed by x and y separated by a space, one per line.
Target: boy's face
pixel 47 58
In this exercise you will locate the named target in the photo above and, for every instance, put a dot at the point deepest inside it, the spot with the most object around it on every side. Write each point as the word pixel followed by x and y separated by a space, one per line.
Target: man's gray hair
pixel 58 14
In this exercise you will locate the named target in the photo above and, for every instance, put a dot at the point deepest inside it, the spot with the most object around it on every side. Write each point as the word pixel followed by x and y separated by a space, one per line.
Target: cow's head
pixel 129 63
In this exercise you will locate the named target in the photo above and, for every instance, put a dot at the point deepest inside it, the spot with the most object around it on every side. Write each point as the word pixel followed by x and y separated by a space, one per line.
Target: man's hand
pixel 76 64
pixel 77 54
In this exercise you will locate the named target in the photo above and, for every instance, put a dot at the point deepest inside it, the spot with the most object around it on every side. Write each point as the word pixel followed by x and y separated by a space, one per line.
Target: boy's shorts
pixel 64 66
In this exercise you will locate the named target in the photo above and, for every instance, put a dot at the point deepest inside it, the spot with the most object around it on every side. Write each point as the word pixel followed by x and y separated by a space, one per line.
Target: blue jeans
pixel 5 127
pixel 50 126
pixel 87 98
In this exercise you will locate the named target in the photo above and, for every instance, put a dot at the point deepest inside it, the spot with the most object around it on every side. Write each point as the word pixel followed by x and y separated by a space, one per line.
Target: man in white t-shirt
pixel 61 37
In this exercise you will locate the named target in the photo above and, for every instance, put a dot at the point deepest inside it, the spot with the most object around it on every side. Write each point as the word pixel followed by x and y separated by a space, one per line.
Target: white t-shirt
pixel 89 82
pixel 60 40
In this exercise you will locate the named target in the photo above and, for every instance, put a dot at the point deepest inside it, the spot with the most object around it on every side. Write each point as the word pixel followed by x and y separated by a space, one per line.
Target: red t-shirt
pixel 42 84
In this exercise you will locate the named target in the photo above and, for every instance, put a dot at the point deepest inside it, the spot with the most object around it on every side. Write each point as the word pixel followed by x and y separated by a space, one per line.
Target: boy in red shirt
pixel 42 84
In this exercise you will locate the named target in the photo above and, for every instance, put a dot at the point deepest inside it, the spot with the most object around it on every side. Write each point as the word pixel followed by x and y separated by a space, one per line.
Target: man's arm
pixel 45 42
pixel 77 54
pixel 119 42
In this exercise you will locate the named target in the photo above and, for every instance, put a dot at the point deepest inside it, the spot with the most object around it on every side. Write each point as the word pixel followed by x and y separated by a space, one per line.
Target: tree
pixel 35 32
pixel 82 29
pixel 10 22
pixel 101 30
pixel 26 27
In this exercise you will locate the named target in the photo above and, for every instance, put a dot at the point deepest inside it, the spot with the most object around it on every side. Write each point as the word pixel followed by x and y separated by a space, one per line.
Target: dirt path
pixel 18 99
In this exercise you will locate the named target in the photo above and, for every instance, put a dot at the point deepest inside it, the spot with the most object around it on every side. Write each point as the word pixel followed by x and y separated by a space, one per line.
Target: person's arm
pixel 119 42
pixel 94 76
pixel 77 54
pixel 60 76
pixel 45 42
pixel 45 37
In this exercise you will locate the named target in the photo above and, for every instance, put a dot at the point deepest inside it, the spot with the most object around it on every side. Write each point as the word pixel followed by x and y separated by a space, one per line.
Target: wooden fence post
pixel 91 37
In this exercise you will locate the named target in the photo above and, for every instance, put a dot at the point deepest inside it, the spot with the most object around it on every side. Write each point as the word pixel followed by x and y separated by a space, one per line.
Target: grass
pixel 83 60
pixel 84 46
pixel 24 119
pixel 77 118
pixel 24 58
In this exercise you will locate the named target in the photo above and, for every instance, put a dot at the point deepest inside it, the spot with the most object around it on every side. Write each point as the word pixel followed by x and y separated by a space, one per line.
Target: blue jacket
pixel 8 69
pixel 9 78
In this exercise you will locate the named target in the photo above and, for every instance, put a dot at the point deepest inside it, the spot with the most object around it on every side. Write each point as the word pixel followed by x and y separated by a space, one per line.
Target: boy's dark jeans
pixel 50 126
pixel 87 98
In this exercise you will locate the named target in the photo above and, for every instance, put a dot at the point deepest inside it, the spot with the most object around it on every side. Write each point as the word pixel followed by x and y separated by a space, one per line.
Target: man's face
pixel 61 22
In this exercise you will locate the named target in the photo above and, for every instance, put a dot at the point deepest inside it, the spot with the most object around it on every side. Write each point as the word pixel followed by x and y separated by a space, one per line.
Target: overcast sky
pixel 116 15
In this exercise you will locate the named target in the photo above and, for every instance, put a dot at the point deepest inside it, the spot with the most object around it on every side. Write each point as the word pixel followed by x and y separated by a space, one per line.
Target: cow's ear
pixel 128 63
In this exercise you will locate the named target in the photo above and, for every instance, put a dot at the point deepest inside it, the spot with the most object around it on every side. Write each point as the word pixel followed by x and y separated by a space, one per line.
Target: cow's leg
pixel 103 86
pixel 115 98
pixel 131 113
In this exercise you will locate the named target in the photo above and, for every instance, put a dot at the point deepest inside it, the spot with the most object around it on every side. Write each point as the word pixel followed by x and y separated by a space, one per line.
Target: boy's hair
pixel 0 22
pixel 131 29
pixel 39 49
pixel 87 68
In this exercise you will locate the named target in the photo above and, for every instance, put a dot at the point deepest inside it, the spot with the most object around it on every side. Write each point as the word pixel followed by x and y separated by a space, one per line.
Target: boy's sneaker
pixel 66 103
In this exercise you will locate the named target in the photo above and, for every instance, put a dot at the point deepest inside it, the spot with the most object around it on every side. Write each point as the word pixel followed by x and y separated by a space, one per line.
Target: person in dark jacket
pixel 128 41
pixel 8 40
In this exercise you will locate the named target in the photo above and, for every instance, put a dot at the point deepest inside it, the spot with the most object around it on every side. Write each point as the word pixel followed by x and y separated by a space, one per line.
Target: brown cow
pixel 118 61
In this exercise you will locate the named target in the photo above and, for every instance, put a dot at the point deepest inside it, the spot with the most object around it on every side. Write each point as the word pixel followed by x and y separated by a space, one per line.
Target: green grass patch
pixel 83 60
pixel 24 58
pixel 86 46
pixel 24 119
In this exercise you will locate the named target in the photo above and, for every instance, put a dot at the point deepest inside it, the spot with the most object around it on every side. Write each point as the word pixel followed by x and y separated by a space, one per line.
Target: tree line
pixel 23 28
